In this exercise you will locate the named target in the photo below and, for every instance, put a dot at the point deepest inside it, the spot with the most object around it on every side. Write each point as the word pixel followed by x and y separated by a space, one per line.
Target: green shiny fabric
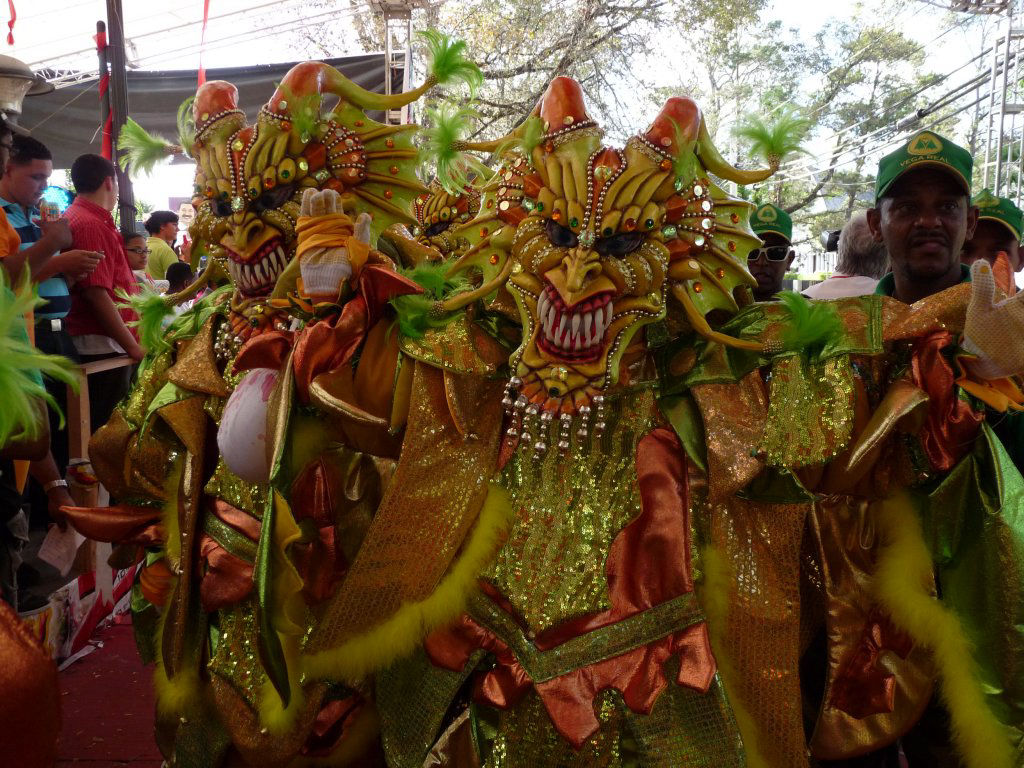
pixel 682 413
pixel 269 646
pixel 974 524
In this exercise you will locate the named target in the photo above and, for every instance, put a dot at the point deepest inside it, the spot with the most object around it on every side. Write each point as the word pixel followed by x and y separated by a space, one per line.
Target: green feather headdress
pixel 187 126
pixel 142 150
pixel 303 111
pixel 684 164
pixel 811 325
pixel 526 138
pixel 447 62
pixel 776 141
pixel 19 389
pixel 445 146
pixel 416 312
pixel 152 309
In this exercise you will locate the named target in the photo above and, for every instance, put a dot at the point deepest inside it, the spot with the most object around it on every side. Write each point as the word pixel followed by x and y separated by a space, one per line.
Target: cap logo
pixel 767 214
pixel 925 144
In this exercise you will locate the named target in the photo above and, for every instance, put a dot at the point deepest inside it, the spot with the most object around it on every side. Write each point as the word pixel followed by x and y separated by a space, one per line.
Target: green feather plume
pixel 812 325
pixel 152 309
pixel 442 146
pixel 141 149
pixel 187 324
pixel 303 111
pixel 530 135
pixel 776 141
pixel 447 62
pixel 684 164
pixel 19 389
pixel 187 126
pixel 416 313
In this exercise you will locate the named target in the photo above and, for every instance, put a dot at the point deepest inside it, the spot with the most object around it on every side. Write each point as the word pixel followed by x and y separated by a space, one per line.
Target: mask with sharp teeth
pixel 606 240
pixel 250 178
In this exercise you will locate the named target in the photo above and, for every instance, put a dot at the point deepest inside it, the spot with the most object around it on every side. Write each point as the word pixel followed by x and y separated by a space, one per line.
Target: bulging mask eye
pixel 436 228
pixel 560 237
pixel 221 208
pixel 274 198
pixel 620 244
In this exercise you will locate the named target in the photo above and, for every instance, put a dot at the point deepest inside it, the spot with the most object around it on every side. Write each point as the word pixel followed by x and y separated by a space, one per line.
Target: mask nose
pixel 581 266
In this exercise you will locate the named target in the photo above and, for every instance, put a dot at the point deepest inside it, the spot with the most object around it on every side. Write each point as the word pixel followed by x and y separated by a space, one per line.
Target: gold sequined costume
pixel 612 500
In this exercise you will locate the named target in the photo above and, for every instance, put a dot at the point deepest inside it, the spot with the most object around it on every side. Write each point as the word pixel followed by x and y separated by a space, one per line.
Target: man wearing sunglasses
pixel 770 263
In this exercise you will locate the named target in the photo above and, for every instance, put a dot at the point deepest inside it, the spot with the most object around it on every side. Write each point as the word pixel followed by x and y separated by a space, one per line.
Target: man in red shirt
pixel 99 327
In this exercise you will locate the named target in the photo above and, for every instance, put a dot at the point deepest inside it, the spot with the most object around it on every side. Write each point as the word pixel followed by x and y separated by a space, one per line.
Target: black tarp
pixel 67 120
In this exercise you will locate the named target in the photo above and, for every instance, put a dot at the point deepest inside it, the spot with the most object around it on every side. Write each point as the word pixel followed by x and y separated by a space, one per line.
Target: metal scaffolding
pixel 1001 166
pixel 397 28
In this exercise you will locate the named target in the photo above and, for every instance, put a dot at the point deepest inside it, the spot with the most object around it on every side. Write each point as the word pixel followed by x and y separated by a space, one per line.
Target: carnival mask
pixel 441 217
pixel 250 178
pixel 607 241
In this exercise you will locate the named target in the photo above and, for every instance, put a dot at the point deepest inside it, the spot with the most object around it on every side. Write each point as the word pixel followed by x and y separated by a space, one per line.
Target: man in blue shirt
pixel 25 177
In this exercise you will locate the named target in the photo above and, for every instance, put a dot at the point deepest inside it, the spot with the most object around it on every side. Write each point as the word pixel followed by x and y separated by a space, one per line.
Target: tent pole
pixel 119 106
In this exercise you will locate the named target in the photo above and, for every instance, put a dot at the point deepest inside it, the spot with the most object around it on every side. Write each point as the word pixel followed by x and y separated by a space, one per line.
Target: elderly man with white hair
pixel 860 264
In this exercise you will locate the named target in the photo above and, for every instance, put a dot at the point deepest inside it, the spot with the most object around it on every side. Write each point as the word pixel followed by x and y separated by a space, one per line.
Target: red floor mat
pixel 107 707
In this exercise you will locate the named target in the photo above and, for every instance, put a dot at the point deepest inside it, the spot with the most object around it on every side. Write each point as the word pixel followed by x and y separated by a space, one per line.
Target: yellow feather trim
pixel 399 635
pixel 715 596
pixel 273 715
pixel 172 532
pixel 180 694
pixel 900 585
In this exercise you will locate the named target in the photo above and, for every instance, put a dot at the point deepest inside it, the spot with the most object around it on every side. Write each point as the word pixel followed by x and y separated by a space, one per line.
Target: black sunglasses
pixel 772 253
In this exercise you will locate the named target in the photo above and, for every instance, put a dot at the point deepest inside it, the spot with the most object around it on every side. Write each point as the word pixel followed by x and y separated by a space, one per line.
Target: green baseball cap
pixel 771 218
pixel 999 209
pixel 923 149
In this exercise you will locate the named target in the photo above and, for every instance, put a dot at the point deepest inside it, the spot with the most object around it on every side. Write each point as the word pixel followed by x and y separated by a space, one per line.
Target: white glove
pixel 325 269
pixel 993 330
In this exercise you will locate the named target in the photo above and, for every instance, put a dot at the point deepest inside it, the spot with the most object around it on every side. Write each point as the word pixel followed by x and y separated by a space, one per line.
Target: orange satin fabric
pixel 121 523
pixel 648 564
pixel 330 343
pixel 227 578
pixel 156 581
pixel 951 424
pixel 877 681
pixel 864 688
pixel 316 556
pixel 331 724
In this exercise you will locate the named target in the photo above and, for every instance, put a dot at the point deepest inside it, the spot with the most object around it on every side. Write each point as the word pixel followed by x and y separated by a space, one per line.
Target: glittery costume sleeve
pixel 909 426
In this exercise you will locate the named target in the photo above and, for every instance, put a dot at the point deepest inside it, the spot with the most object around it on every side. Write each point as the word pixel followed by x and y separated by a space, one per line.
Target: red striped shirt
pixel 93 229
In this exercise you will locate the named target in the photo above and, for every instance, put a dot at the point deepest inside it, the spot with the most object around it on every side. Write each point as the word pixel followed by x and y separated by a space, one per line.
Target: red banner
pixel 202 41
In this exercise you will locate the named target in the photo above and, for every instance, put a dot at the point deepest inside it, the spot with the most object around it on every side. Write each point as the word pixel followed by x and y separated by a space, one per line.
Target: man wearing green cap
pixel 770 263
pixel 999 229
pixel 923 214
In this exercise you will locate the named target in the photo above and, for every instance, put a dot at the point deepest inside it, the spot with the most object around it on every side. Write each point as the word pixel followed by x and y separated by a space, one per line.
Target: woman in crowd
pixel 137 250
